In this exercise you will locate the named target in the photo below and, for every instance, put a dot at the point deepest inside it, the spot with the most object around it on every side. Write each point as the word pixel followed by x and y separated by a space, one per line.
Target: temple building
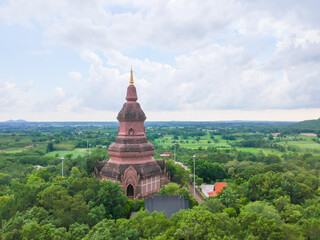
pixel 131 160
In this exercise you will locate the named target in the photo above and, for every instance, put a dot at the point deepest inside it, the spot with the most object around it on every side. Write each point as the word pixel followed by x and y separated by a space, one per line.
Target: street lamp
pixel 194 176
pixel 62 158
pixel 174 152
pixel 90 152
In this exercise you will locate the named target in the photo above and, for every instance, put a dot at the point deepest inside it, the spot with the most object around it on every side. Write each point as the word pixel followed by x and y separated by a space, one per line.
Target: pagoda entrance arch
pixel 130 191
pixel 131 132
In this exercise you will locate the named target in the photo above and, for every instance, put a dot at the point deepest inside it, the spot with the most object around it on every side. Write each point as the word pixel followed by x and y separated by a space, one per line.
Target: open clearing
pixel 75 153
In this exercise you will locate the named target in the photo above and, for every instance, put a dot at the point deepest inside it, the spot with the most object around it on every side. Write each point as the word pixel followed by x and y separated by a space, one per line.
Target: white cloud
pixel 220 54
pixel 69 105
pixel 14 97
pixel 59 91
pixel 6 85
pixel 174 24
pixel 75 76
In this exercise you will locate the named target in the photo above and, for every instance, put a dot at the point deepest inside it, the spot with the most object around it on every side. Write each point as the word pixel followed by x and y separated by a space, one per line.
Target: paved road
pixel 206 188
pixel 182 165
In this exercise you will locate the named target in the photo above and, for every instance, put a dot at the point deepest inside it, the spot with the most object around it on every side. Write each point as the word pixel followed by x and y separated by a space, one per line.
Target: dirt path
pixel 26 147
pixel 309 134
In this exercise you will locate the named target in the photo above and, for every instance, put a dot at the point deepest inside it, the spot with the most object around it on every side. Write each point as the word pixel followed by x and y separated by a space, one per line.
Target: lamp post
pixel 90 152
pixel 174 152
pixel 62 158
pixel 194 176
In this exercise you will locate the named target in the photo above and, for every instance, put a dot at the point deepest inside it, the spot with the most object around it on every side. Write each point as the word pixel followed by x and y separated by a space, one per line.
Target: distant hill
pixel 311 125
pixel 16 121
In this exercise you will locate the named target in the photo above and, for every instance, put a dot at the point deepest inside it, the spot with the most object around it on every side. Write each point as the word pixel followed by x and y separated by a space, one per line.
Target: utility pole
pixel 194 176
pixel 62 158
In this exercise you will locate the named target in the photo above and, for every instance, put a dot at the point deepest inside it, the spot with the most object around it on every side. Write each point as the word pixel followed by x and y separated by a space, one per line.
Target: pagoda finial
pixel 131 78
pixel 131 92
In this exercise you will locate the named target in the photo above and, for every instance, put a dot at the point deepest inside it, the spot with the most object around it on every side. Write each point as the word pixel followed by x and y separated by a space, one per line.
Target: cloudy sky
pixel 208 60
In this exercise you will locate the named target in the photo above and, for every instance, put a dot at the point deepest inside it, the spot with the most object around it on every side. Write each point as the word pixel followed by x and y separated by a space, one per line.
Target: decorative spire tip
pixel 131 78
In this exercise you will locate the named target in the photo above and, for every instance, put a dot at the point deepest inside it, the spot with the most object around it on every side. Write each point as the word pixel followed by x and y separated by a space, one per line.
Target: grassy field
pixel 13 151
pixel 303 143
pixel 192 143
pixel 75 153
pixel 257 150
pixel 65 146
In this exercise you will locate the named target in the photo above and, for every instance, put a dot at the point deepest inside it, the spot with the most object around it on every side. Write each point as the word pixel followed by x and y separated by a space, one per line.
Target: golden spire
pixel 131 78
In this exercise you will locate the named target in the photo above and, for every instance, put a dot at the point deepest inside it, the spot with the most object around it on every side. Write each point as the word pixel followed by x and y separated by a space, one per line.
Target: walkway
pixel 182 165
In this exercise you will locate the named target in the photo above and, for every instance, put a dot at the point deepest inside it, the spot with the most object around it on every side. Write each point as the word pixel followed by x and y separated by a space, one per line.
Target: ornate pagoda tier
pixel 131 156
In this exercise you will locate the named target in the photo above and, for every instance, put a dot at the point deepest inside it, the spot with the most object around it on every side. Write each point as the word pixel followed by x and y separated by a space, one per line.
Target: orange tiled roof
pixel 218 187
pixel 213 193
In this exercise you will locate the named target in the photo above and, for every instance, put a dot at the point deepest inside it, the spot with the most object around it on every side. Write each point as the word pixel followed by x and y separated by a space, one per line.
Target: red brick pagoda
pixel 131 162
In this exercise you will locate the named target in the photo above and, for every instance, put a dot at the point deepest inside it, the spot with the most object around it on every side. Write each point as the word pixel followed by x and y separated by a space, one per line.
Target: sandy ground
pixel 309 134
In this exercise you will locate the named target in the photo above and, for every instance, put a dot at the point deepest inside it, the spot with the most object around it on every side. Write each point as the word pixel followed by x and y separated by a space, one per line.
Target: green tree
pixel 261 220
pixel 112 198
pixel 75 173
pixel 265 186
pixel 264 209
pixel 199 223
pixel 142 225
pixel 38 214
pixel 177 173
pixel 96 214
pixel 11 229
pixel 4 179
pixel 292 213
pixel 60 234
pixel 230 211
pixel 50 147
pixel 311 228
pixel 101 231
pixel 31 230
pixel 172 188
pixel 210 172
pixel 259 227
pixel 298 192
pixel 78 231
pixel 51 194
pixel 214 205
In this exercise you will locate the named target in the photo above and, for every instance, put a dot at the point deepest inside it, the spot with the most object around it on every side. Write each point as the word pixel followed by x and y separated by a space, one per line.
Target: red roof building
pixel 218 187
pixel 166 154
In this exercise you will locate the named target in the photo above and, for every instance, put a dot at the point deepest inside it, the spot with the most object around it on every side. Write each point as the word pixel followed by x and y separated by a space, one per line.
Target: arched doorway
pixel 130 191
pixel 131 131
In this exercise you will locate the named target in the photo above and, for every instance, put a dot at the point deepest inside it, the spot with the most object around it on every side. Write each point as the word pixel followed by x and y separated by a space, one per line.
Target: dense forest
pixel 272 169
